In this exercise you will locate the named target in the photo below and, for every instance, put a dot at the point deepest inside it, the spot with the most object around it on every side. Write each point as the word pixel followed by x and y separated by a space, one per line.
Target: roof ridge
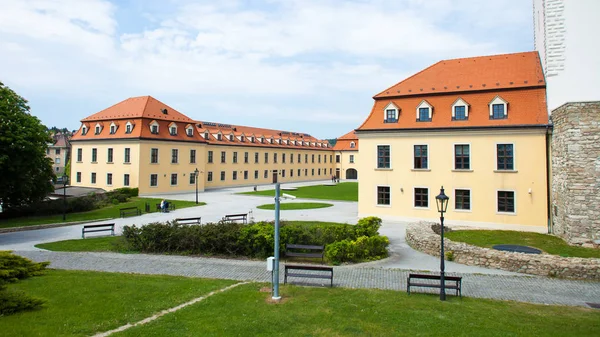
pixel 406 79
pixel 484 56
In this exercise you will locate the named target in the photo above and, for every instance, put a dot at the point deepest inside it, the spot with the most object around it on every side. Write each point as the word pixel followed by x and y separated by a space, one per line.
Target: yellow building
pixel 143 143
pixel 476 126
pixel 346 156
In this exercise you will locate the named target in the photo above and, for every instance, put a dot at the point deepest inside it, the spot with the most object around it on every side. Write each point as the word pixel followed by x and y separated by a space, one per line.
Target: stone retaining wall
pixel 421 237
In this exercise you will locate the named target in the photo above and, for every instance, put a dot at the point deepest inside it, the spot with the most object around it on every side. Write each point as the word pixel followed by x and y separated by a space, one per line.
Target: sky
pixel 295 65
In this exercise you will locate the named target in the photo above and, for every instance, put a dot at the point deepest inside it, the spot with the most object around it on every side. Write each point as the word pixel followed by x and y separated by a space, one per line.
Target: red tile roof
pixel 481 73
pixel 139 107
pixel 516 78
pixel 344 142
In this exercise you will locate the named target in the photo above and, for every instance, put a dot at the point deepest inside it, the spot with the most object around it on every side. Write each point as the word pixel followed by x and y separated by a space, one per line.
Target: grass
pixel 295 206
pixel 82 303
pixel 307 311
pixel 111 211
pixel 117 244
pixel 341 191
pixel 547 243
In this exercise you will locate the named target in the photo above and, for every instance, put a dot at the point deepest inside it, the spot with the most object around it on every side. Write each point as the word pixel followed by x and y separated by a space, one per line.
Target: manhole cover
pixel 593 305
pixel 517 249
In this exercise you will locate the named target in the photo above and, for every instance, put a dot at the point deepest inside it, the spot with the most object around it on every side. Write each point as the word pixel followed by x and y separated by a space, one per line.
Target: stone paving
pixel 504 287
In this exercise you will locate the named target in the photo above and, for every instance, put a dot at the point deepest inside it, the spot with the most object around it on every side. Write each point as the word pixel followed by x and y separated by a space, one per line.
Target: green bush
pixel 256 240
pixel 12 269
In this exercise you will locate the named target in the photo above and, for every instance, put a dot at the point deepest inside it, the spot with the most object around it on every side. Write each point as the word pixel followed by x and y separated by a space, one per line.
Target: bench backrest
pixel 188 219
pixel 127 208
pixel 100 225
pixel 236 215
pixel 308 247
pixel 434 277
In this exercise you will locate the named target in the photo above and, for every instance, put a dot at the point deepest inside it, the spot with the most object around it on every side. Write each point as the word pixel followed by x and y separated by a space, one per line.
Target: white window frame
pixel 425 104
pixel 113 125
pixel 470 200
pixel 352 145
pixel 172 127
pixel 98 129
pixel 351 159
pixel 515 202
pixel 514 156
pixel 428 162
pixel 155 123
pixel 454 157
pixel 129 126
pixel 428 198
pixel 150 182
pixel 187 131
pixel 498 100
pixel 171 179
pixel 377 158
pixel 84 130
pixel 391 106
pixel 460 102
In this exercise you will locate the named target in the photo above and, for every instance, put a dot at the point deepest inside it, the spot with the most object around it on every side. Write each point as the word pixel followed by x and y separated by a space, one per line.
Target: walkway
pixel 517 288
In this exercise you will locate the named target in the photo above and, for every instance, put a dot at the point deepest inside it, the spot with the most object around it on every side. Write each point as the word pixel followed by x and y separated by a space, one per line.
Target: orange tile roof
pixel 139 107
pixel 518 79
pixel 473 74
pixel 343 143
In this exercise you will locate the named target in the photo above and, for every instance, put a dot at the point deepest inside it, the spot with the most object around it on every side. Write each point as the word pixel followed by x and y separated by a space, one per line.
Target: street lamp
pixel 65 177
pixel 442 204
pixel 196 176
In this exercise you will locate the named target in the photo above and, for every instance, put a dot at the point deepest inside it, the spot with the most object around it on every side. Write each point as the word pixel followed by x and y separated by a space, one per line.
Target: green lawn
pixel 547 243
pixel 115 244
pixel 341 191
pixel 295 205
pixel 111 211
pixel 82 303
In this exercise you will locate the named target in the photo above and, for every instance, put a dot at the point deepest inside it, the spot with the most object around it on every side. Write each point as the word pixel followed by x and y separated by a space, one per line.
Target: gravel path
pixel 504 287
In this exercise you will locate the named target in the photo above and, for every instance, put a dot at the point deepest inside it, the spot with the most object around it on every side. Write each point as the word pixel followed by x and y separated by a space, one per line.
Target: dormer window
pixel 231 138
pixel 352 145
pixel 98 129
pixel 498 108
pixel 173 130
pixel 460 110
pixel 206 135
pixel 262 140
pixel 241 138
pixel 154 127
pixel 113 129
pixel 128 127
pixel 424 111
pixel 189 131
pixel 84 131
pixel 219 137
pixel 252 139
pixel 391 113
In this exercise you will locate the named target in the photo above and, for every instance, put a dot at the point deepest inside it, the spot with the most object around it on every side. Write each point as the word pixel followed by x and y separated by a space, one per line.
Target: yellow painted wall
pixel 483 181
pixel 345 163
pixel 325 165
pixel 101 167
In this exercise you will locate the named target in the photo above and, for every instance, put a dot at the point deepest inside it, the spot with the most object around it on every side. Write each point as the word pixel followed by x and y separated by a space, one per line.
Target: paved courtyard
pixel 390 273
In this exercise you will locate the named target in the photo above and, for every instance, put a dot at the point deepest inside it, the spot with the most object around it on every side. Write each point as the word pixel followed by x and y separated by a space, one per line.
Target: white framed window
pixel 129 127
pixel 384 195
pixel 384 156
pixel 421 157
pixel 462 199
pixel 173 129
pixel 498 108
pixel 98 129
pixel 84 130
pixel 154 127
pixel 189 131
pixel 506 202
pixel 153 180
pixel 462 156
pixel 231 138
pixel 424 111
pixel 421 197
pixel 173 179
pixel 113 128
pixel 505 157
pixel 219 136
pixel 351 159
pixel 206 135
pixel 460 110
pixel 352 145
pixel 391 113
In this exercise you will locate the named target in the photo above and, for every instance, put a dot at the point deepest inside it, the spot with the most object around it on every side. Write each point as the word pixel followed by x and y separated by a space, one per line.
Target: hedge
pixel 12 269
pixel 344 243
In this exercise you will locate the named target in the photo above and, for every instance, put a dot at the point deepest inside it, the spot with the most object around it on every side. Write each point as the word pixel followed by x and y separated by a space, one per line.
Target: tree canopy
pixel 25 171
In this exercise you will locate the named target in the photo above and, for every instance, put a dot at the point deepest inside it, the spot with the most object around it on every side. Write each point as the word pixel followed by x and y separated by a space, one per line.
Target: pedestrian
pixel 162 205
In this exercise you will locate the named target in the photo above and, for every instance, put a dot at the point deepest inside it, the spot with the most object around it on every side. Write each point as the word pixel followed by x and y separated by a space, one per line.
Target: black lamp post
pixel 196 176
pixel 442 204
pixel 65 177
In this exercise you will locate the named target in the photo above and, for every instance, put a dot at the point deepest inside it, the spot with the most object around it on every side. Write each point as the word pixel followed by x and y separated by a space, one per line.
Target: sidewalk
pixel 503 287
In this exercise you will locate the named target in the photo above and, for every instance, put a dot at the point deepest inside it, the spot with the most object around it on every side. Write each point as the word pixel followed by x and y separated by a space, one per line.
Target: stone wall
pixel 576 172
pixel 421 237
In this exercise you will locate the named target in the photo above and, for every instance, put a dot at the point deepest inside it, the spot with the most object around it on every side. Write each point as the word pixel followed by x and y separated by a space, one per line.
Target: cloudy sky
pixel 298 65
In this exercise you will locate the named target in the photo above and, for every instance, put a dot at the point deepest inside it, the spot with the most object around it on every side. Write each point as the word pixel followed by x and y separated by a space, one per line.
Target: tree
pixel 25 171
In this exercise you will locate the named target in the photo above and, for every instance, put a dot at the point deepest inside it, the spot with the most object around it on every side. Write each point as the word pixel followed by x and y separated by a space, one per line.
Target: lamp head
pixel 442 201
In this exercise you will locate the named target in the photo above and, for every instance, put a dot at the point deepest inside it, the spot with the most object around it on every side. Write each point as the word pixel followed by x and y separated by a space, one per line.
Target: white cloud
pixel 316 60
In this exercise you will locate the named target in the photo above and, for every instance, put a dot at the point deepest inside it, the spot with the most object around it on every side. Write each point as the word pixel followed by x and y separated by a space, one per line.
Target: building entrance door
pixel 274 176
pixel 337 173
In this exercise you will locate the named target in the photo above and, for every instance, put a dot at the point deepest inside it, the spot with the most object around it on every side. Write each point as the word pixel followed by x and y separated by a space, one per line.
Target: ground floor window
pixel 291 172
pixel 283 173
pixel 222 175
pixel 313 172
pixel 245 175
pixel 383 195
pixel 210 176
pixel 93 177
pixel 192 177
pixel 126 179
pixel 462 199
pixel 173 179
pixel 154 180
pixel 256 174
pixel 78 177
pixel 266 174
pixel 506 201
pixel 234 175
pixel 109 179
pixel 299 172
pixel 421 197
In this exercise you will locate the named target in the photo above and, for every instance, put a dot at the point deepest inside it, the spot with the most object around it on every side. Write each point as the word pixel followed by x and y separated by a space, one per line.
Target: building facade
pixel 141 142
pixel 476 126
pixel 346 156
pixel 59 153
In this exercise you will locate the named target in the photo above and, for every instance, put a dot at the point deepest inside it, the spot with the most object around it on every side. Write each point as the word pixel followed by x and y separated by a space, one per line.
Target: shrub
pixel 340 251
pixel 368 226
pixel 12 269
pixel 449 255
pixel 364 248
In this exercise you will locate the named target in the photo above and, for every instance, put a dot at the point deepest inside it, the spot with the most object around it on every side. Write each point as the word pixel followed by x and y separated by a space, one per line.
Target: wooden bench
pixel 236 217
pixel 171 207
pixel 455 281
pixel 291 250
pixel 98 228
pixel 187 221
pixel 328 272
pixel 130 211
